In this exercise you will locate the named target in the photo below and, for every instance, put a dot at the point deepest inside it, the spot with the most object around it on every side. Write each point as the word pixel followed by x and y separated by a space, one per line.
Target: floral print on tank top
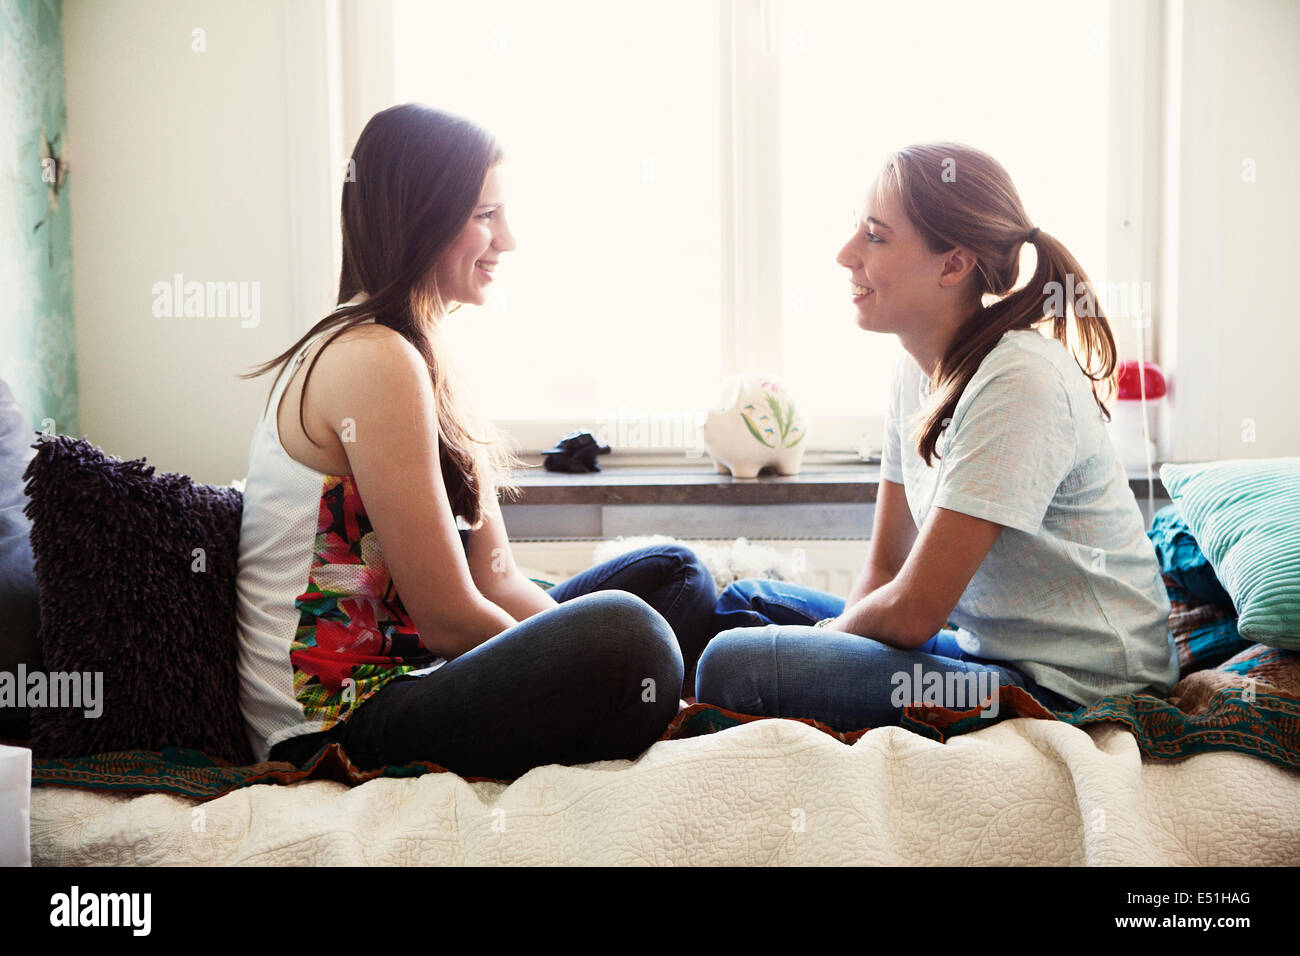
pixel 353 633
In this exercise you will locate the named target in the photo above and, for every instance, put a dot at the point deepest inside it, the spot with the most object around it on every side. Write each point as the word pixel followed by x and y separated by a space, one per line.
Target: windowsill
pixel 697 483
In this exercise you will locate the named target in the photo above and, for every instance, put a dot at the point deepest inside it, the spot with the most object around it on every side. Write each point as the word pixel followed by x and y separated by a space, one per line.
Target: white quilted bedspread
pixel 769 792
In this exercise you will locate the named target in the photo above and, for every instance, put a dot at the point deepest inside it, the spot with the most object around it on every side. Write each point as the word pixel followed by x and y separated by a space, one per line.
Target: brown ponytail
pixel 956 195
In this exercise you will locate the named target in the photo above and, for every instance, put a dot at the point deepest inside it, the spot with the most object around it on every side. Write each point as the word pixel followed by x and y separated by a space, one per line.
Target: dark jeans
pixel 673 581
pixel 596 678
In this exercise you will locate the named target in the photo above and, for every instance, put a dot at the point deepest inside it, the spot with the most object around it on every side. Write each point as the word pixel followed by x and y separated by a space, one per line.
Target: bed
pixel 1024 791
pixel 1207 777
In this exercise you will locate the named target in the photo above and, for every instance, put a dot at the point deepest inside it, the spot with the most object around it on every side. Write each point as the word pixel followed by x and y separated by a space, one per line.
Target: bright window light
pixel 858 80
pixel 611 118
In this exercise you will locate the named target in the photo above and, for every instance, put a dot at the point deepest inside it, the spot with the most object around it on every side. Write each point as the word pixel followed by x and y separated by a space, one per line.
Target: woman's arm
pixel 893 533
pixel 377 380
pixel 912 607
pixel 492 566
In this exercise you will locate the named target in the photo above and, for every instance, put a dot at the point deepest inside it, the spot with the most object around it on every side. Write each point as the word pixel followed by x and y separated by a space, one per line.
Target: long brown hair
pixel 957 195
pixel 417 174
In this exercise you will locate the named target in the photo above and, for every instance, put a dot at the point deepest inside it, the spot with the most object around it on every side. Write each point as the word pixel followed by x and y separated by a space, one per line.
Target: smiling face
pixel 894 279
pixel 465 269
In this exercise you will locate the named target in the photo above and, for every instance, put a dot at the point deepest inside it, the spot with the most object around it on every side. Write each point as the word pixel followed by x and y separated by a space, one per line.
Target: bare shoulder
pixel 372 358
pixel 371 338
pixel 375 380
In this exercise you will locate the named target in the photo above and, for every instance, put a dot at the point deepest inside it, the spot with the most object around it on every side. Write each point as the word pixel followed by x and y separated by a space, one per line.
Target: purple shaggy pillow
pixel 125 594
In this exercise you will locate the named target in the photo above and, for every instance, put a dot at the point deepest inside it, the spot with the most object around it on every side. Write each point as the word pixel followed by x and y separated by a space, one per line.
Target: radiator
pixel 827 565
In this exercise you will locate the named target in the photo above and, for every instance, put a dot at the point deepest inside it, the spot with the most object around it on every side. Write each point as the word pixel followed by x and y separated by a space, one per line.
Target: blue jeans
pixel 769 661
pixel 596 678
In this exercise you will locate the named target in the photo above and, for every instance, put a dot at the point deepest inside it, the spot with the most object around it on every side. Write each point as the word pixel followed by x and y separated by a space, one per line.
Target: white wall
pixel 181 165
pixel 1230 332
pixel 180 162
pixel 1259 331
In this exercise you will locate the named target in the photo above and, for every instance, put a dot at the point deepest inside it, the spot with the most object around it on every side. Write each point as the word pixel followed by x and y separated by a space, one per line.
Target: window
pixel 609 117
pixel 1027 85
pixel 680 177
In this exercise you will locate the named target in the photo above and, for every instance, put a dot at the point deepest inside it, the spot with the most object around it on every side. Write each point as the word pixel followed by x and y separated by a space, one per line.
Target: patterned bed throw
pixel 1250 704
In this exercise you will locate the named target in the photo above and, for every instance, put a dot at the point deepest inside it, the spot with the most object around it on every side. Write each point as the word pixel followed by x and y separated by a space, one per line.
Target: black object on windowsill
pixel 575 452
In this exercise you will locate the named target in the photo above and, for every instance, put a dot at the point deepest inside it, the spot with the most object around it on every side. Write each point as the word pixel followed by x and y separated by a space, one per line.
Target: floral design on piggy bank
pixel 757 428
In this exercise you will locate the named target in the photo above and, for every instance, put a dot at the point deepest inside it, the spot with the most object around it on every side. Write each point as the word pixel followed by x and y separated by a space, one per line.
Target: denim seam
pixel 782 604
pixel 677 573
pixel 624 567
pixel 776 674
pixel 778 602
pixel 678 578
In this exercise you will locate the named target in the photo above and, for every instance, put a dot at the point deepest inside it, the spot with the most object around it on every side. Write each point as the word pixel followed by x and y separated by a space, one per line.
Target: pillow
pixel 16 576
pixel 18 604
pixel 1183 562
pixel 129 603
pixel 1245 515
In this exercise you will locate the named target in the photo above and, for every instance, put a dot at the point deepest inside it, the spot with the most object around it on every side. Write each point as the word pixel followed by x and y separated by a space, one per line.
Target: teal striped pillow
pixel 1245 515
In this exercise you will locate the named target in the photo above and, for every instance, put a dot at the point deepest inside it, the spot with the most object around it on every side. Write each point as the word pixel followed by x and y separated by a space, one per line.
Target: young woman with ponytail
pixel 378 603
pixel 1002 509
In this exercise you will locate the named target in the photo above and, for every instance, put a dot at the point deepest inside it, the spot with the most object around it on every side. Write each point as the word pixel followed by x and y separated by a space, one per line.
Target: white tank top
pixel 321 627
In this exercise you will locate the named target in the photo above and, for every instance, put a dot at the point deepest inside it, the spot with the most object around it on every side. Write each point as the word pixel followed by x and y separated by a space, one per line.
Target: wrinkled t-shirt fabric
pixel 1071 591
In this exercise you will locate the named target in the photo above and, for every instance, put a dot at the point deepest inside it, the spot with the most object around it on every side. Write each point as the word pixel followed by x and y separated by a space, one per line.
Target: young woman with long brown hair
pixel 1002 506
pixel 379 605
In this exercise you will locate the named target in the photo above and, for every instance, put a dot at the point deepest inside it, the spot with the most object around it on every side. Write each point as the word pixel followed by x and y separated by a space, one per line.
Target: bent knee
pixel 678 552
pixel 739 595
pixel 624 636
pixel 611 612
pixel 686 558
pixel 627 657
pixel 733 663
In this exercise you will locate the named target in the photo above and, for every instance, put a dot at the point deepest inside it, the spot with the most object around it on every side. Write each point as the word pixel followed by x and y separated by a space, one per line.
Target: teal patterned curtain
pixel 37 341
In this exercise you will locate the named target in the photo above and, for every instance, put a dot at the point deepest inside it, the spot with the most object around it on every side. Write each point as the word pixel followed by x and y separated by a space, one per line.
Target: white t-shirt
pixel 1071 591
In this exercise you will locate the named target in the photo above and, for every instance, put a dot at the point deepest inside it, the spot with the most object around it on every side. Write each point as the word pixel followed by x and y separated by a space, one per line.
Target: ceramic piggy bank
pixel 757 428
